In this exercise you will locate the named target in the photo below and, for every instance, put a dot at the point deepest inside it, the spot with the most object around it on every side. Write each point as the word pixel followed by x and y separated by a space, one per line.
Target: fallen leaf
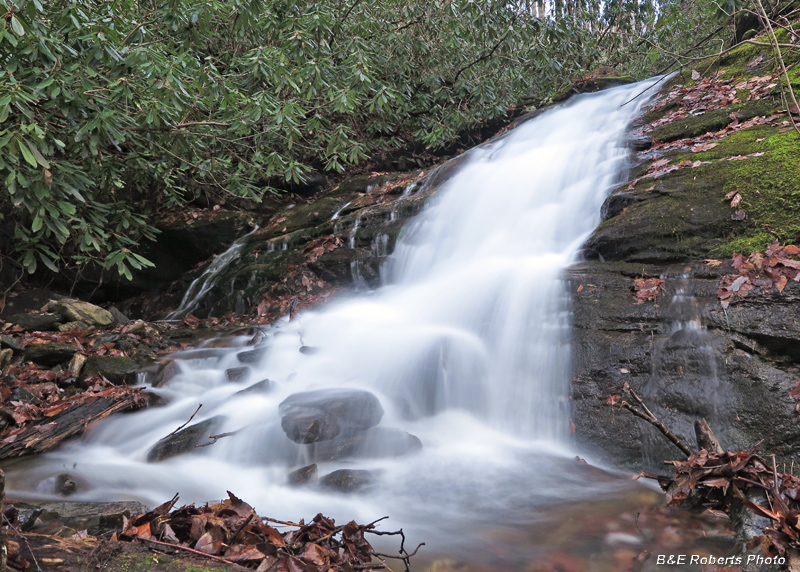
pixel 695 75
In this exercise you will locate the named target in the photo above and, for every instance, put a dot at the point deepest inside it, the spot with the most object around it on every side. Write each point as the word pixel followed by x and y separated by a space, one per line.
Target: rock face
pixel 684 353
pixel 314 416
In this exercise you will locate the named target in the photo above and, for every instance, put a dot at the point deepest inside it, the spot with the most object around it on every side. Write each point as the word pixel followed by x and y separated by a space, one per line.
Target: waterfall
pixel 203 284
pixel 466 346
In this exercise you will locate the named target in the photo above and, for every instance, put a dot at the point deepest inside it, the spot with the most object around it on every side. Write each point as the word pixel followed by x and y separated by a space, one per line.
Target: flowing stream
pixel 466 345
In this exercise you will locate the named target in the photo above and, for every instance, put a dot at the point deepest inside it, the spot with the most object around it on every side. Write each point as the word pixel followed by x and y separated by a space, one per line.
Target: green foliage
pixel 112 110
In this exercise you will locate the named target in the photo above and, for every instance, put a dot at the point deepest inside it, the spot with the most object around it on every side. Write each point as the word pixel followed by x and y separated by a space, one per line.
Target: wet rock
pixel 80 311
pixel 202 353
pixel 165 373
pixel 308 350
pixel 116 369
pixel 347 480
pixel 5 357
pixel 376 442
pixel 303 475
pixel 184 441
pixel 252 356
pixel 95 517
pixel 9 342
pixel 262 386
pixel 154 399
pixel 313 416
pixel 237 374
pixel 66 485
pixel 34 322
pixel 50 353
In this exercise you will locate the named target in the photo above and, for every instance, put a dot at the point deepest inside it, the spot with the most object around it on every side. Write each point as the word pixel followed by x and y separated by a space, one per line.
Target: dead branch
pixel 215 438
pixel 647 415
pixel 185 424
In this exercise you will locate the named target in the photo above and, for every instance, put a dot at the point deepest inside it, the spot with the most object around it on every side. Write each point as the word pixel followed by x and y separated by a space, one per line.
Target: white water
pixel 467 347
pixel 203 284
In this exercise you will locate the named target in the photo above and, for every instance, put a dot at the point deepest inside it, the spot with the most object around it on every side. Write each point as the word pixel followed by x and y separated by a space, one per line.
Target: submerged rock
pixel 376 442
pixel 320 415
pixel 262 386
pixel 184 441
pixel 347 480
pixel 66 485
pixel 237 374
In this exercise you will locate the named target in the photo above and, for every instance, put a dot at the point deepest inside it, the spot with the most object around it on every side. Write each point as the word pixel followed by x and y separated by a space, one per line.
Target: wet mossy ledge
pixel 720 176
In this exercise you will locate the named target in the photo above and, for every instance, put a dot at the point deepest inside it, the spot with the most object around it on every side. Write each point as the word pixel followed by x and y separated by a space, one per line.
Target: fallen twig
pixel 193 551
pixel 648 416
pixel 185 424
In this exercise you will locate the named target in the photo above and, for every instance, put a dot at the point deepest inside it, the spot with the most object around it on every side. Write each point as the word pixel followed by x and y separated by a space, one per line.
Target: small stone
pixel 50 354
pixel 66 485
pixel 262 386
pixel 34 322
pixel 308 350
pixel 25 396
pixel 76 364
pixel 116 369
pixel 303 475
pixel 80 311
pixel 347 480
pixel 5 357
pixel 236 374
pixel 9 342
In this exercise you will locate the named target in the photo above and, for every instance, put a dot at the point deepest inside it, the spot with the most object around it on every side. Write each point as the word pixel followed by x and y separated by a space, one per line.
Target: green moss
pixel 714 120
pixel 133 562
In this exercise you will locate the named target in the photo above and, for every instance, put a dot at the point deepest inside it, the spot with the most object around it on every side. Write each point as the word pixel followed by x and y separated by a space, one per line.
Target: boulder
pixel 80 311
pixel 34 322
pixel 9 342
pixel 116 369
pixel 303 475
pixel 313 416
pixel 166 372
pixel 251 356
pixel 347 480
pixel 50 353
pixel 119 317
pixel 375 442
pixel 183 441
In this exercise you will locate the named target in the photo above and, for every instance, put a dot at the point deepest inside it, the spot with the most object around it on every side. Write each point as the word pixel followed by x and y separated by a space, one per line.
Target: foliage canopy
pixel 112 110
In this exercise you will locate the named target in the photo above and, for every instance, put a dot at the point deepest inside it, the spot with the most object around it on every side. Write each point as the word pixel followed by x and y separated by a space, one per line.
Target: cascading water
pixel 466 346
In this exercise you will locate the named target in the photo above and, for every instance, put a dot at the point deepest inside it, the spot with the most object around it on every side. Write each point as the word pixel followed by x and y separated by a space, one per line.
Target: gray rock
pixel 9 342
pixel 252 356
pixel 95 517
pixel 50 353
pixel 25 396
pixel 303 475
pixel 376 442
pixel 237 374
pixel 80 311
pixel 262 386
pixel 347 480
pixel 116 369
pixel 34 322
pixel 313 416
pixel 184 441
pixel 69 326
pixel 6 418
pixel 119 317
pixel 166 372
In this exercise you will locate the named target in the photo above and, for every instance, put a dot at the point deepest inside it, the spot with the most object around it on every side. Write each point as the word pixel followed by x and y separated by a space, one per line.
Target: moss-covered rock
pixel 116 369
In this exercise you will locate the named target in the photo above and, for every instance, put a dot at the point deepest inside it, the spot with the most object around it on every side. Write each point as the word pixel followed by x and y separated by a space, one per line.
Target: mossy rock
pixel 118 370
pixel 714 120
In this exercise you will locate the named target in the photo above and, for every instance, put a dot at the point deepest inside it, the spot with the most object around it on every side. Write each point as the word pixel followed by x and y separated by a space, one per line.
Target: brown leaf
pixel 730 195
pixel 736 200
pixel 739 215
pixel 210 542
pixel 612 400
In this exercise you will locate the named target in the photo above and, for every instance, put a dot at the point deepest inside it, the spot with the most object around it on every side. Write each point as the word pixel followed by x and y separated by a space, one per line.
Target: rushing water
pixel 466 345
